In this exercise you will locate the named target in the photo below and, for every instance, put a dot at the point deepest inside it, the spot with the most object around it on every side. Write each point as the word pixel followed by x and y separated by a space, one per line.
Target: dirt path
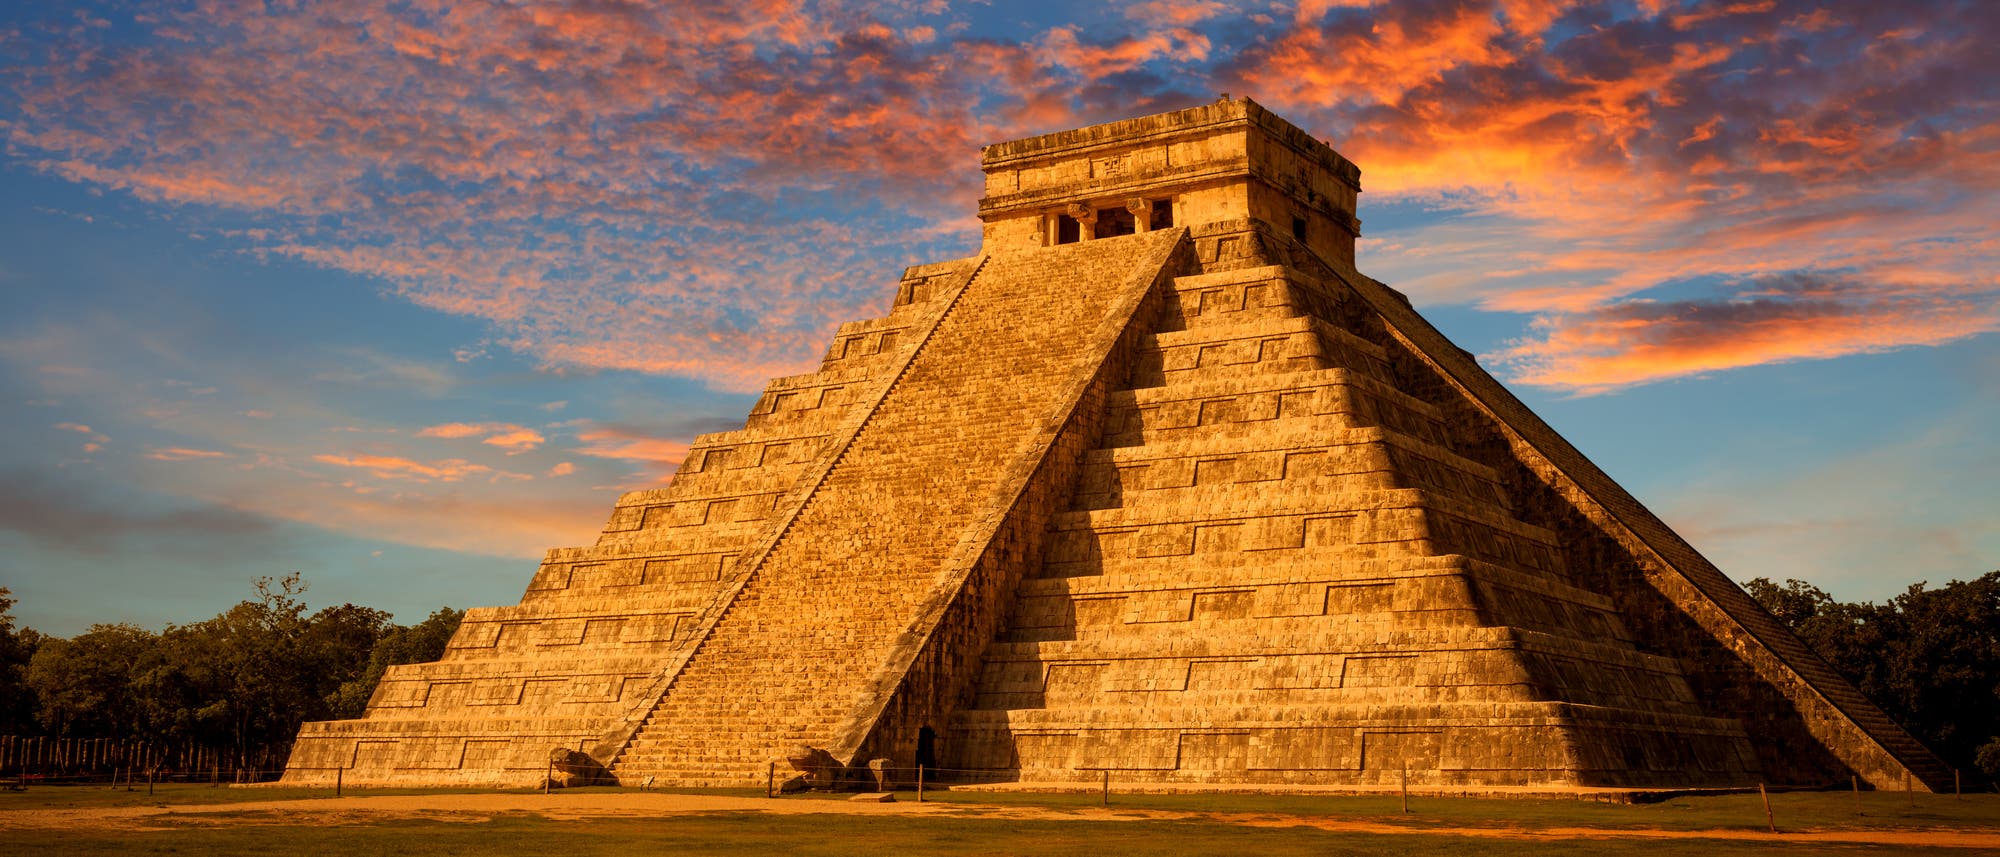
pixel 479 807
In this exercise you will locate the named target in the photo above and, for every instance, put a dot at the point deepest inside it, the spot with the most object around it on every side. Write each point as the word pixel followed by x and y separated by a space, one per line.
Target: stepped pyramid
pixel 1156 484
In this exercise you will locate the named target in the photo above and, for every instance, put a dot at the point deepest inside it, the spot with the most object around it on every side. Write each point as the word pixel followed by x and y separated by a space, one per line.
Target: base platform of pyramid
pixel 1157 485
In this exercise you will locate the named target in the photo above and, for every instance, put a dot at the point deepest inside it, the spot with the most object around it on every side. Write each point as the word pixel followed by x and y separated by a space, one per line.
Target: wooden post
pixel 149 781
pixel 1909 792
pixel 1856 779
pixel 339 774
pixel 920 783
pixel 1957 791
pixel 1107 787
pixel 1769 819
pixel 1406 787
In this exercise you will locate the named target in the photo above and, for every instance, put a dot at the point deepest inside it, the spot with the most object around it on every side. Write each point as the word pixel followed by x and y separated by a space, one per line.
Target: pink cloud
pixel 181 453
pixel 705 190
pixel 454 430
pixel 513 438
pixel 624 445
pixel 1802 318
pixel 516 440
pixel 396 467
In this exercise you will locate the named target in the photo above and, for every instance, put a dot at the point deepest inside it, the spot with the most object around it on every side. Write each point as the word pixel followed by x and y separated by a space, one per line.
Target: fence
pixel 85 760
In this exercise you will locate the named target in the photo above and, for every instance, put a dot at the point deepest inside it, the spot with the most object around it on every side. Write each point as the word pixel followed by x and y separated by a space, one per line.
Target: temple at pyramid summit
pixel 1157 484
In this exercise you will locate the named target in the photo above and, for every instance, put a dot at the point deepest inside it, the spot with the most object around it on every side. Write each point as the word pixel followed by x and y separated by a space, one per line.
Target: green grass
pixel 1792 810
pixel 179 794
pixel 1215 830
pixel 758 834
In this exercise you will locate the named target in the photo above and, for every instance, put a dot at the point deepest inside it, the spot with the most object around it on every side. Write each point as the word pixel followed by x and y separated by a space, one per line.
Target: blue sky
pixel 400 295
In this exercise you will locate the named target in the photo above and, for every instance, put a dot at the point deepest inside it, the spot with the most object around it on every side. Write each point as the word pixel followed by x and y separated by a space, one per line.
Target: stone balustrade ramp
pixel 819 614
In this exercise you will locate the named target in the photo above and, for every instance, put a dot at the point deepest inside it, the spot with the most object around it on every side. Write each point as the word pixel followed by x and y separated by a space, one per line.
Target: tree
pixel 424 641
pixel 17 648
pixel 244 680
pixel 84 683
pixel 1929 657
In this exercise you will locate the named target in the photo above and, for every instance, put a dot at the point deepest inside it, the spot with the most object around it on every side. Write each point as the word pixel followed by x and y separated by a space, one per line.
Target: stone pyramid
pixel 1156 484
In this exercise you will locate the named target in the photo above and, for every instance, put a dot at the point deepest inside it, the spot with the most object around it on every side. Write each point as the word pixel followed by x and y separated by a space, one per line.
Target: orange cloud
pixel 395 467
pixel 181 453
pixel 624 445
pixel 516 440
pixel 704 190
pixel 508 436
pixel 1800 318
pixel 1175 13
pixel 94 444
pixel 454 430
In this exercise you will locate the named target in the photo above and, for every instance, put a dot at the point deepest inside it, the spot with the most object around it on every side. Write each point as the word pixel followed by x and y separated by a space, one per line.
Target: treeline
pixel 1929 657
pixel 238 684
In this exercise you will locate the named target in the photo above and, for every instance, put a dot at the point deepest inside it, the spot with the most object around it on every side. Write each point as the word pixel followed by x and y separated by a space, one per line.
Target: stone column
pixel 1086 220
pixel 1142 214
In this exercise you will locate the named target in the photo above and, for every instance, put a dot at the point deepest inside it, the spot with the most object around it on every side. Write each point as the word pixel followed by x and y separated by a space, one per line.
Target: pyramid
pixel 1159 485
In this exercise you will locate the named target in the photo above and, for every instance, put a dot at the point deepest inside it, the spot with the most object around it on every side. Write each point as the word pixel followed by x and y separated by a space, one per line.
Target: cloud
pixel 1775 320
pixel 1856 522
pixel 1602 159
pixel 1175 13
pixel 706 190
pixel 94 444
pixel 396 467
pixel 454 430
pixel 71 515
pixel 181 453
pixel 367 367
pixel 513 438
pixel 625 444
pixel 656 453
pixel 562 468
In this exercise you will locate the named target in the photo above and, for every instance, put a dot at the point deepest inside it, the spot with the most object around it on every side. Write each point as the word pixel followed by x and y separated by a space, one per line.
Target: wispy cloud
pixel 705 190
pixel 181 453
pixel 96 441
pixel 68 514
pixel 515 439
pixel 1607 157
pixel 655 452
pixel 395 467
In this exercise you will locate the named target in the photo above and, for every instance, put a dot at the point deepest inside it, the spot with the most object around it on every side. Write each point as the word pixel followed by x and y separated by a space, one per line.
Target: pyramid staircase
pixel 820 613
pixel 1276 569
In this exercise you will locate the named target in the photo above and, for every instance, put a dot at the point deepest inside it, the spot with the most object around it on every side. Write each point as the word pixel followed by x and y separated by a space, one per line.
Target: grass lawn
pixel 1792 810
pixel 179 794
pixel 753 833
pixel 1235 825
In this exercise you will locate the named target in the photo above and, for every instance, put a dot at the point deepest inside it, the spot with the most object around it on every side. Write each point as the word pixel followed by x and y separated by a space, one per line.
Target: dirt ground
pixel 368 809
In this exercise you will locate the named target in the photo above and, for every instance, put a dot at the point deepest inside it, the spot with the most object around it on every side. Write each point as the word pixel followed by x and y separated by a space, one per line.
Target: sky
pixel 398 295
